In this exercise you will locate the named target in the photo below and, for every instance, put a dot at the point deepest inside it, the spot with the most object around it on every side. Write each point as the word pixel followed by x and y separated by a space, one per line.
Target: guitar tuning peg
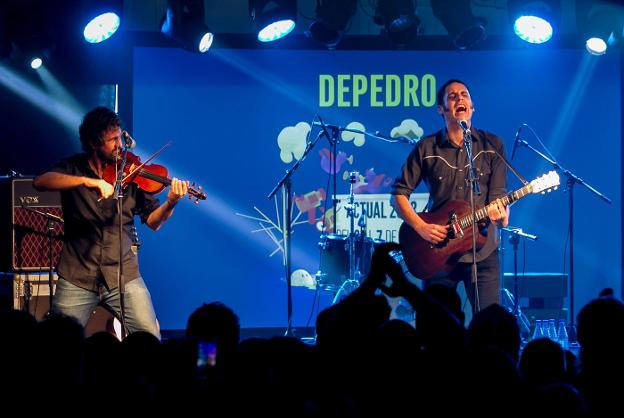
pixel 193 184
pixel 199 187
pixel 196 201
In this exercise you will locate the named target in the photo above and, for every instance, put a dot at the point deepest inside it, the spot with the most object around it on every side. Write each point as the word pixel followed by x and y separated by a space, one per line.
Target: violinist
pixel 87 269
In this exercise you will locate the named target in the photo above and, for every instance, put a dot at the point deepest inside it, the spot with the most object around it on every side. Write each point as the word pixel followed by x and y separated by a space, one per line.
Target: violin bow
pixel 156 154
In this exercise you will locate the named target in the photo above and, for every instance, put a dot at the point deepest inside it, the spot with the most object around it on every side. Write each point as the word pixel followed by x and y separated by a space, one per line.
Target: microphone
pixel 128 141
pixel 464 125
pixel 520 233
pixel 324 127
pixel 515 145
pixel 406 139
pixel 400 138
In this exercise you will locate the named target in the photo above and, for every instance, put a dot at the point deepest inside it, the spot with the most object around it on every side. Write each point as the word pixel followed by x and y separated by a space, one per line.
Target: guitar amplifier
pixel 30 292
pixel 25 230
pixel 27 291
pixel 541 295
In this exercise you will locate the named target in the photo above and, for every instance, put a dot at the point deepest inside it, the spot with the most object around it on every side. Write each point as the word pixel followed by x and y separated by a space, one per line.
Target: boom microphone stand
pixel 514 240
pixel 285 184
pixel 572 179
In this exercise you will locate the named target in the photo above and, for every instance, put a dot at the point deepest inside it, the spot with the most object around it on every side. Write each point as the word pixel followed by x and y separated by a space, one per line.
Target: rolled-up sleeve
pixel 410 176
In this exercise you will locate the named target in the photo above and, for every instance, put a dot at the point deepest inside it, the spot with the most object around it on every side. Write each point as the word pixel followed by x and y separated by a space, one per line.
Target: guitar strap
pixel 507 163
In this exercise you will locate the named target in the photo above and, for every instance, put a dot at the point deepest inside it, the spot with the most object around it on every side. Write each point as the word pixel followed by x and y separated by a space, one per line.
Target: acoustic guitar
pixel 424 259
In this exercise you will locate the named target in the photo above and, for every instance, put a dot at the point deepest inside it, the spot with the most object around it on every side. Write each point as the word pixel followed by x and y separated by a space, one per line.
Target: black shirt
pixel 91 244
pixel 443 167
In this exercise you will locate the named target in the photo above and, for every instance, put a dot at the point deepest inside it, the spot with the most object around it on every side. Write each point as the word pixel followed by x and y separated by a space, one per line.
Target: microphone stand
pixel 51 221
pixel 474 189
pixel 514 239
pixel 572 179
pixel 285 184
pixel 121 284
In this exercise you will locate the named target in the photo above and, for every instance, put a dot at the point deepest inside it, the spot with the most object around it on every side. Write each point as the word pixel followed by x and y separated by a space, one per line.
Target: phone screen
pixel 206 354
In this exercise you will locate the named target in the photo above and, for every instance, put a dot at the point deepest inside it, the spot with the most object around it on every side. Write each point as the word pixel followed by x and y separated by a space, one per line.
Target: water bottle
pixel 552 331
pixel 562 335
pixel 538 332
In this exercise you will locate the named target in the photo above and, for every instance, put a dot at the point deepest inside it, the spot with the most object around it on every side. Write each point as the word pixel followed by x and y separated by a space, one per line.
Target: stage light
pixel 596 46
pixel 601 25
pixel 399 20
pixel 274 19
pixel 464 29
pixel 534 21
pixel 102 19
pixel 332 18
pixel 184 23
pixel 36 63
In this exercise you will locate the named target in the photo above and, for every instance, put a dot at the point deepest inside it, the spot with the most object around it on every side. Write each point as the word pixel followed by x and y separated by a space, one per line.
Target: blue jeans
pixel 80 303
pixel 488 285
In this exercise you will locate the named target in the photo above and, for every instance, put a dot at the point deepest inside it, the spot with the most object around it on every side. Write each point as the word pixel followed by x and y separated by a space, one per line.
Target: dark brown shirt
pixel 443 167
pixel 91 244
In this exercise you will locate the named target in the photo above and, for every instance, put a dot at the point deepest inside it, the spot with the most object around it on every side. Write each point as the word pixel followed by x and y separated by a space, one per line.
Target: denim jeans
pixel 487 281
pixel 80 303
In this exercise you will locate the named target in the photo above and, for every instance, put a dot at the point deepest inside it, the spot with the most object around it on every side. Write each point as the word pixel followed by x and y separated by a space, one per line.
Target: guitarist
pixel 440 161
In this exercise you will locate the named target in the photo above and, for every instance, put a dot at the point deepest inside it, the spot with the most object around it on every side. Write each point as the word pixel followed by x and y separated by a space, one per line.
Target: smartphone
pixel 206 354
pixel 397 257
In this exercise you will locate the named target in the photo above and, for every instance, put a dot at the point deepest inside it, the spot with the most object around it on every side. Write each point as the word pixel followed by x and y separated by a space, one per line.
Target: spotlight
pixel 101 19
pixel 596 46
pixel 332 18
pixel 184 23
pixel 399 19
pixel 534 21
pixel 36 63
pixel 601 24
pixel 274 19
pixel 464 29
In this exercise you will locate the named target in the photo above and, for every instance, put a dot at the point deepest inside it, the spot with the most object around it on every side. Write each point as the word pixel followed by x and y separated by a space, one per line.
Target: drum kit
pixel 345 259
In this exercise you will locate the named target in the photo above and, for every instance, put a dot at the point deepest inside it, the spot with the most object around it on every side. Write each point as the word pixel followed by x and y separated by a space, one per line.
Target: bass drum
pixel 334 260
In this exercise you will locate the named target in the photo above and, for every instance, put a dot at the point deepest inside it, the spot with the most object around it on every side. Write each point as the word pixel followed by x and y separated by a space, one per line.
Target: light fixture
pixel 464 29
pixel 36 63
pixel 601 24
pixel 31 33
pixel 100 19
pixel 184 23
pixel 534 21
pixel 274 19
pixel 332 18
pixel 398 17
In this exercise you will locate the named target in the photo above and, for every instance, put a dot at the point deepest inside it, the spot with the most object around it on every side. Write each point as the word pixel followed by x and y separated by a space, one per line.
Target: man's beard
pixel 108 158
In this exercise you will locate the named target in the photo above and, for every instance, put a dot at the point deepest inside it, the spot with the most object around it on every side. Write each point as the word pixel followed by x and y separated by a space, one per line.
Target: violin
pixel 151 178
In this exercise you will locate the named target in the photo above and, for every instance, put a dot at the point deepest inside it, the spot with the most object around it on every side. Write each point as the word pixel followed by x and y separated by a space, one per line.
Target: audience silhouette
pixel 361 364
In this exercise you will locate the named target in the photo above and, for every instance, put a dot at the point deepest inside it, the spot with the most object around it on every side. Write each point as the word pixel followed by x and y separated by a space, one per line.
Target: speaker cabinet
pixel 25 229
pixel 31 292
pixel 28 291
pixel 541 295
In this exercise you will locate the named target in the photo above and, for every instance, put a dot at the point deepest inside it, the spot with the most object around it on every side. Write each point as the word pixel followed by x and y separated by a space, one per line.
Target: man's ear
pixel 441 109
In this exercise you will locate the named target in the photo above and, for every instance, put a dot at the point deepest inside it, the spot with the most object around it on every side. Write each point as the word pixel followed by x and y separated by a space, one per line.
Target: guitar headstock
pixel 546 183
pixel 196 194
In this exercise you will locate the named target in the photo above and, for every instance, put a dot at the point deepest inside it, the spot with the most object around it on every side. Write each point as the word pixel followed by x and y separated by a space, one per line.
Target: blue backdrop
pixel 239 118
